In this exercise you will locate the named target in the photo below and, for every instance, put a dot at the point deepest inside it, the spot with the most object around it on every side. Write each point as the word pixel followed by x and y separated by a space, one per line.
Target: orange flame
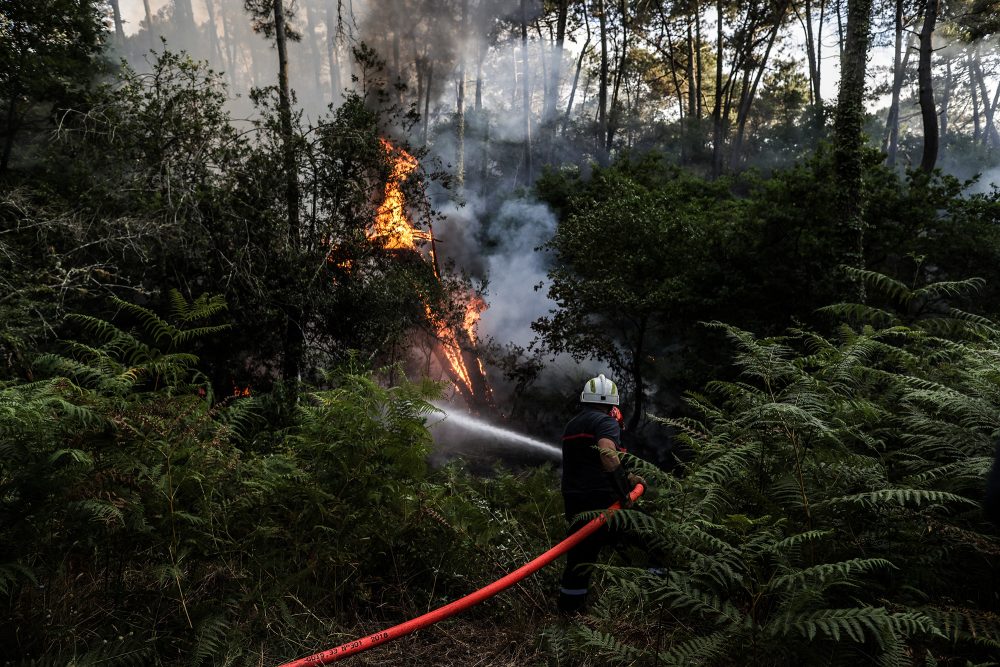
pixel 391 223
pixel 396 232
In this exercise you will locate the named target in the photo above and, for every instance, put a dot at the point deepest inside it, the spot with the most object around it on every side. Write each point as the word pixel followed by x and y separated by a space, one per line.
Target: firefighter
pixel 592 479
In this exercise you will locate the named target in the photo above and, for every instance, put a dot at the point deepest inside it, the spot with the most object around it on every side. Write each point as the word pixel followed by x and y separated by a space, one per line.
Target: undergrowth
pixel 142 522
pixel 828 512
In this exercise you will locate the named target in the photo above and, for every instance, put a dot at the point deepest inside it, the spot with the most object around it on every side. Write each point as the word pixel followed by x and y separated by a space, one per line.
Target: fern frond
pixel 901 497
pixel 211 636
pixel 697 651
pixel 826 574
pixel 836 624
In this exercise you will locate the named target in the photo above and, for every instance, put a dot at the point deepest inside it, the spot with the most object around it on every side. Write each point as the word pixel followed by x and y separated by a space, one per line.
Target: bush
pixel 830 510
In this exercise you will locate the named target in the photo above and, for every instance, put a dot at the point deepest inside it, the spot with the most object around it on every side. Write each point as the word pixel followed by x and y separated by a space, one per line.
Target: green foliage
pixel 828 511
pixel 48 52
pixel 142 524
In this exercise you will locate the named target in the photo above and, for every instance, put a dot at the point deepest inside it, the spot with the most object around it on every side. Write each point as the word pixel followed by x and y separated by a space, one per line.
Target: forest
pixel 261 259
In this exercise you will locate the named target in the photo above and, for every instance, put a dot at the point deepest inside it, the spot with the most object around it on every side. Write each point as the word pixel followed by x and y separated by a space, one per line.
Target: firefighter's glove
pixel 634 479
pixel 620 483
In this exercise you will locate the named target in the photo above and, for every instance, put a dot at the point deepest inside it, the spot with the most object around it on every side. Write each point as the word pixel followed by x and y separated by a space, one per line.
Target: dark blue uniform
pixel 585 487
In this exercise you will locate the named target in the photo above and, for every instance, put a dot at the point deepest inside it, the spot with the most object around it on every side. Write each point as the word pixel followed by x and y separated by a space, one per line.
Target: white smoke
pixel 517 271
pixel 987 183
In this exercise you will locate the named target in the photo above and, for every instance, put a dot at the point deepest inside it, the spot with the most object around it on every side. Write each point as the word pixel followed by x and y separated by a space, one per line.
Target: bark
pixel 543 61
pixel 614 114
pixel 698 69
pixel 717 137
pixel 526 92
pixel 848 144
pixel 993 112
pixel 840 29
pixel 119 28
pixel 396 68
pixel 555 70
pixel 946 98
pixel 814 45
pixel 990 134
pixel 820 115
pixel 928 112
pixel 480 57
pixel 638 378
pixel 576 74
pixel 149 22
pixel 427 97
pixel 602 89
pixel 891 143
pixel 460 105
pixel 10 127
pixel 692 110
pixel 294 339
pixel 213 32
pixel 974 91
pixel 811 59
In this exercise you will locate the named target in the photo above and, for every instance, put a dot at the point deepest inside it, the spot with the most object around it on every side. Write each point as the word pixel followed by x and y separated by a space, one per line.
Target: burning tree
pixel 455 343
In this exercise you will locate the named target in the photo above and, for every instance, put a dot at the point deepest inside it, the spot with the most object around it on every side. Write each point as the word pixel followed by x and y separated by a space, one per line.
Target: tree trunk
pixel 119 28
pixel 149 23
pixel 811 59
pixel 848 145
pixel 974 92
pixel 229 45
pixel 928 111
pixel 990 134
pixel 692 101
pixel 213 33
pixel 638 379
pixel 946 98
pixel 314 48
pixel 743 113
pixel 555 70
pixel 427 97
pixel 480 56
pixel 10 127
pixel 332 54
pixel 396 68
pixel 526 92
pixel 898 69
pixel 602 90
pixel 184 15
pixel 840 28
pixel 460 105
pixel 615 110
pixel 576 74
pixel 717 137
pixel 698 78
pixel 294 339
pixel 820 117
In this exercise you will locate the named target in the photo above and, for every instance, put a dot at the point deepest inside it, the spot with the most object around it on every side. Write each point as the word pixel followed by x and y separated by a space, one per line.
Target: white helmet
pixel 600 390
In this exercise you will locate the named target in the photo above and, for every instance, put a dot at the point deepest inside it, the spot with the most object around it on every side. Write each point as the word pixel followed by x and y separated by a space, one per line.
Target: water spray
pixel 502 434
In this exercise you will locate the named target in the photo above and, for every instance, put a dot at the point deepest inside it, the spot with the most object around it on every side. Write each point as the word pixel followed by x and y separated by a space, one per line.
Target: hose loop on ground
pixel 470 600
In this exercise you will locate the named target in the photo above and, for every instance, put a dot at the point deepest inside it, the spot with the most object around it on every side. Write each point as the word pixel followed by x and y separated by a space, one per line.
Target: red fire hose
pixel 452 608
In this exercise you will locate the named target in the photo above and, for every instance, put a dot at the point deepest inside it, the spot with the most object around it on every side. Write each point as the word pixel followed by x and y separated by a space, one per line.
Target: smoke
pixel 988 182
pixel 517 271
